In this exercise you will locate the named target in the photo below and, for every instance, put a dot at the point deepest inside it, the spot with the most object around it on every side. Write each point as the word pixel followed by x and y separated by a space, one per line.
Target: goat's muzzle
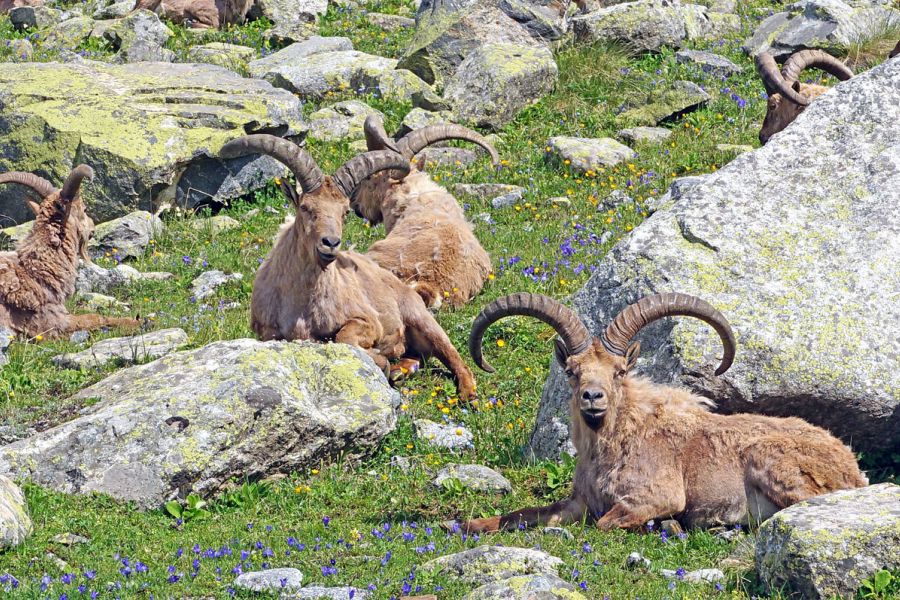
pixel 327 251
pixel 592 406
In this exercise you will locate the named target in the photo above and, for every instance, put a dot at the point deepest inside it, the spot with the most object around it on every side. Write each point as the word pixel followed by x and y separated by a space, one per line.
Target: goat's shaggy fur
pixel 199 14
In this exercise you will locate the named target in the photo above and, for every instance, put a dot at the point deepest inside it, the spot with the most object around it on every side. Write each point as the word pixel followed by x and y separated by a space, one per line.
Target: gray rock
pixel 318 592
pixel 99 302
pixel 496 81
pixel 667 104
pixel 230 56
pixel 419 117
pixel 126 236
pixel 508 199
pixel 390 22
pixel 453 437
pixel 404 463
pixel 287 12
pixel 207 283
pixel 116 10
pixel 80 337
pixel 589 154
pixel 139 348
pixel 714 64
pixel 140 37
pixel 487 564
pixel 15 524
pixel 486 191
pixel 20 50
pixel 560 532
pixel 270 580
pixel 526 587
pixel 698 576
pixel 799 261
pixel 474 477
pixel 34 17
pixel 69 539
pixel 636 560
pixel 67 34
pixel 448 157
pixel 154 127
pixel 615 200
pixel 216 224
pixel 648 135
pixel 6 338
pixel 832 25
pixel 195 420
pixel 290 33
pixel 341 121
pixel 827 546
pixel 94 278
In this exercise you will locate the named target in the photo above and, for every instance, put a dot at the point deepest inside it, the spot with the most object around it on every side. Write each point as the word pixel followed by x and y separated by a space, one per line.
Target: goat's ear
pixel 631 356
pixel 34 206
pixel 289 191
pixel 796 86
pixel 420 164
pixel 561 352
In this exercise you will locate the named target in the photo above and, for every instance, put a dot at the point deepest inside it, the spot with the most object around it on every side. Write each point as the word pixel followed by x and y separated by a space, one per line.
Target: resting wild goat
pixel 429 243
pixel 199 14
pixel 648 451
pixel 787 96
pixel 36 279
pixel 307 289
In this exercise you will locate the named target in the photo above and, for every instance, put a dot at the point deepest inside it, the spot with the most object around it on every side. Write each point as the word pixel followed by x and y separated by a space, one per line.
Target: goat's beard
pixel 323 260
pixel 593 421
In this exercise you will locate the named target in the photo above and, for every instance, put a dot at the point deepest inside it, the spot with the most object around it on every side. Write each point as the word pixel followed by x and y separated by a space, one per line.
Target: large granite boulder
pixel 826 547
pixel 15 524
pixel 150 130
pixel 802 262
pixel 193 420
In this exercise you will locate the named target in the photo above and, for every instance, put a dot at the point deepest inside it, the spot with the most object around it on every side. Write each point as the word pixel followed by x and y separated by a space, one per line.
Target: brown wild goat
pixel 199 14
pixel 649 451
pixel 429 243
pixel 36 279
pixel 308 289
pixel 787 96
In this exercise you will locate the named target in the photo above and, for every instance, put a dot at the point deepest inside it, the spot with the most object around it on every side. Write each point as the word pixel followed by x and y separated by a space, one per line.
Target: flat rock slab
pixel 154 128
pixel 230 56
pixel 15 524
pixel 454 437
pixel 648 135
pixel 713 64
pixel 826 547
pixel 270 580
pixel 487 564
pixel 474 477
pixel 390 22
pixel 154 344
pixel 588 154
pixel 666 105
pixel 698 576
pixel 207 283
pixel 799 261
pixel 194 420
pixel 527 587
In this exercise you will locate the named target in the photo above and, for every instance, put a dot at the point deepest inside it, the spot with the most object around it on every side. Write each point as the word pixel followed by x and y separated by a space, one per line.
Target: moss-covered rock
pixel 15 524
pixel 193 420
pixel 666 104
pixel 230 56
pixel 145 128
pixel 826 547
pixel 341 121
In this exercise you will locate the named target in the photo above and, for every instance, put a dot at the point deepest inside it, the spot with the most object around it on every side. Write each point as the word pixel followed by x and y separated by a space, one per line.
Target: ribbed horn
pixel 376 137
pixel 73 182
pixel 416 141
pixel 635 317
pixel 813 59
pixel 363 166
pixel 568 326
pixel 40 185
pixel 773 81
pixel 295 158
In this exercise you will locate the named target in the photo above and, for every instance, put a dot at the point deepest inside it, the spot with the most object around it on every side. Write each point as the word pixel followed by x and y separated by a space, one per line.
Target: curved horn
pixel 298 160
pixel 40 185
pixel 635 317
pixel 563 319
pixel 376 137
pixel 813 59
pixel 73 182
pixel 361 167
pixel 416 141
pixel 774 82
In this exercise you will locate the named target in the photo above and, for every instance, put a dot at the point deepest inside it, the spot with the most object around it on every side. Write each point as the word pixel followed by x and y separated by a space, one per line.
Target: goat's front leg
pixel 430 339
pixel 563 512
pixel 622 516
pixel 363 333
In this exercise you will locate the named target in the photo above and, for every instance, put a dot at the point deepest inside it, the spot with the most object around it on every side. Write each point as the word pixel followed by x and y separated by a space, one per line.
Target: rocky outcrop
pixel 193 420
pixel 154 128
pixel 801 262
pixel 15 524
pixel 826 547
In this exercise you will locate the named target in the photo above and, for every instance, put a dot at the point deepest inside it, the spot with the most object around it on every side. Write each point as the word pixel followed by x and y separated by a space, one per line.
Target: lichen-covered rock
pixel 832 25
pixel 67 34
pixel 527 587
pixel 34 17
pixel 290 33
pixel 666 104
pixel 453 437
pixel 643 134
pixel 474 477
pixel 496 81
pixel 206 284
pixel 341 121
pixel 487 191
pixel 139 37
pixel 20 50
pixel 390 22
pixel 6 338
pixel 194 420
pixel 285 12
pixel 713 64
pixel 419 117
pixel 588 154
pixel 487 564
pixel 95 302
pixel 230 56
pixel 216 224
pixel 698 576
pixel 318 592
pixel 827 546
pixel 94 278
pixel 800 261
pixel 435 156
pixel 153 344
pixel 150 126
pixel 116 10
pixel 126 236
pixel 270 580
pixel 15 524
pixel 10 236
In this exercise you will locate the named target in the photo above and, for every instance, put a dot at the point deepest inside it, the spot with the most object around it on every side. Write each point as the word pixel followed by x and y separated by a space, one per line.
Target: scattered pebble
pixel 636 560
pixel 69 539
pixel 454 437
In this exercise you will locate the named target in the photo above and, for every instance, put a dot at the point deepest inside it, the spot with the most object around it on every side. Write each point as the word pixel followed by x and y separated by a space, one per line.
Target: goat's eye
pixel 570 373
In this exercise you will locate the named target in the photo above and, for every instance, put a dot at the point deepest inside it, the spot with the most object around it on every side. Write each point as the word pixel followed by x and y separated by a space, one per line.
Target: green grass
pixel 535 247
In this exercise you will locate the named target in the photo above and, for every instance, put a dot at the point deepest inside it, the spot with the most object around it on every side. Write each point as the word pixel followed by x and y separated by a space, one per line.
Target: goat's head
pixel 323 201
pixel 61 212
pixel 597 366
pixel 368 198
pixel 787 96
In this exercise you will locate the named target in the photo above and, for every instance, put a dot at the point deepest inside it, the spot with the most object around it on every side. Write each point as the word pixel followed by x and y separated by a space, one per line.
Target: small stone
pixel 671 527
pixel 80 337
pixel 157 276
pixel 474 477
pixel 506 200
pixel 290 33
pixel 125 349
pixel 20 51
pixel 68 34
pixel 564 200
pixel 271 210
pixel 216 224
pixel 207 283
pixel 288 12
pixel 698 576
pixel 650 135
pixel 341 121
pixel 285 579
pixel 615 200
pixel 251 213
pixel 487 564
pixel 453 437
pixel 713 64
pixel 390 22
pixel 116 10
pixel 57 561
pixel 404 463
pixel 589 154
pixel 729 534
pixel 126 236
pixel 636 560
pixel 69 539
pixel 94 278
pixel 419 117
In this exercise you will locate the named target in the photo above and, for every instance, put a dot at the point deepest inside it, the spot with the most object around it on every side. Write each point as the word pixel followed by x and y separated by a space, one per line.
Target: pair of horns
pixel 416 141
pixel 618 333
pixel 782 81
pixel 304 167
pixel 44 188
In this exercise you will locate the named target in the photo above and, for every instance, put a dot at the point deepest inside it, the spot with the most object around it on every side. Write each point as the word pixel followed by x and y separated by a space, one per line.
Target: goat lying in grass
pixel 39 276
pixel 429 243
pixel 308 289
pixel 648 451
pixel 199 14
pixel 787 96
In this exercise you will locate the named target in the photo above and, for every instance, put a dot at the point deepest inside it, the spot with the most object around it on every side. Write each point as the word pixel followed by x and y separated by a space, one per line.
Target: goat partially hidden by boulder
pixel 199 14
pixel 787 96
pixel 308 288
pixel 38 277
pixel 649 451
pixel 429 243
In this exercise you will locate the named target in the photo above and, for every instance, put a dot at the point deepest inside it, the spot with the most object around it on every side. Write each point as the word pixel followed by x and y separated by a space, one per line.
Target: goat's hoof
pixel 403 368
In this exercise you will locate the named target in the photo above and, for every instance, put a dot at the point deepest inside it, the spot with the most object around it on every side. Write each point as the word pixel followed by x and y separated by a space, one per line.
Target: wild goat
pixel 308 289
pixel 648 451
pixel 429 243
pixel 787 96
pixel 199 14
pixel 36 279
